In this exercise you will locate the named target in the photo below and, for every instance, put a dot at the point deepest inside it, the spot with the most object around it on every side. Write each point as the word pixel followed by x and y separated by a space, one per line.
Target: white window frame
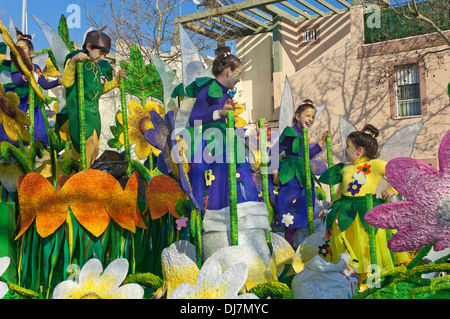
pixel 405 76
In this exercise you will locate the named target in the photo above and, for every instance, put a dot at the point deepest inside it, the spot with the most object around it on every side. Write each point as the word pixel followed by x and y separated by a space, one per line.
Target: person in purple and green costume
pixel 210 179
pixel 21 87
pixel 291 205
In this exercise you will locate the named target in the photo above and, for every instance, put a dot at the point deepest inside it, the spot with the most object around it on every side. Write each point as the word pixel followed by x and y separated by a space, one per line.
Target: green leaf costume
pixel 95 78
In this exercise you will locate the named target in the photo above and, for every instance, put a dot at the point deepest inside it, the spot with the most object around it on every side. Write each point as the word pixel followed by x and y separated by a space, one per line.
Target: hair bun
pixel 371 130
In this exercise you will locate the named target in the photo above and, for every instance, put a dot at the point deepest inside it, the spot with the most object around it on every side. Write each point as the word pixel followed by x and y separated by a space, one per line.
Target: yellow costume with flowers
pixel 345 221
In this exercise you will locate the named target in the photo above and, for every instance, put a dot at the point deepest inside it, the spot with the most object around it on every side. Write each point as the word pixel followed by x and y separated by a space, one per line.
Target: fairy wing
pixel 59 48
pixel 169 80
pixel 345 127
pixel 399 144
pixel 192 68
pixel 40 60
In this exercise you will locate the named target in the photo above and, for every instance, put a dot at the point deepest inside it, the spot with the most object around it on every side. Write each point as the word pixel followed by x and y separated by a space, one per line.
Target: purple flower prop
pixel 354 188
pixel 161 138
pixel 425 217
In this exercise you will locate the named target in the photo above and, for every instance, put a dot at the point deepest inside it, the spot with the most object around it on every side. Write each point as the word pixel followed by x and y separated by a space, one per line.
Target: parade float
pixel 77 233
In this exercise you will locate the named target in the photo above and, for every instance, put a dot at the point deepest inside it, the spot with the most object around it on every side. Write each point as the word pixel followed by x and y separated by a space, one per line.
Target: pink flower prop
pixel 425 217
pixel 181 222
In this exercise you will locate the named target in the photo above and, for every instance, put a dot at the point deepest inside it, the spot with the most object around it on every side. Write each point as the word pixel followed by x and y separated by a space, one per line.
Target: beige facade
pixel 352 79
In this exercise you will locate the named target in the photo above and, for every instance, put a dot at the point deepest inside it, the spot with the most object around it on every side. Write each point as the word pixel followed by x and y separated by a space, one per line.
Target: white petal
pixel 209 274
pixel 91 270
pixel 63 289
pixel 130 291
pixel 233 280
pixel 4 264
pixel 183 291
pixel 3 289
pixel 118 268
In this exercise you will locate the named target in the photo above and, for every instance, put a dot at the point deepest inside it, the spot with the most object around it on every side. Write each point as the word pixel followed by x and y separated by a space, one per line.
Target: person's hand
pixel 78 58
pixel 121 74
pixel 324 137
pixel 229 106
pixel 386 194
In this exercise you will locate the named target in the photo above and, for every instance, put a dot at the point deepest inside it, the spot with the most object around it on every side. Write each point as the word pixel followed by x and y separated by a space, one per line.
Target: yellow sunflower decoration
pixel 14 120
pixel 239 121
pixel 139 121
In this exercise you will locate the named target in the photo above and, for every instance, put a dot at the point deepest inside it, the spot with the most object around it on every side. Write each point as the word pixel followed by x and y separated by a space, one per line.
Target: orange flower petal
pixel 87 193
pixel 122 205
pixel 161 193
pixel 38 197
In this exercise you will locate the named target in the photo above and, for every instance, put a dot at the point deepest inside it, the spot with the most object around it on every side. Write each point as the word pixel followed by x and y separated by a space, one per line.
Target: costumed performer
pixel 291 197
pixel 98 80
pixel 345 223
pixel 25 46
pixel 209 179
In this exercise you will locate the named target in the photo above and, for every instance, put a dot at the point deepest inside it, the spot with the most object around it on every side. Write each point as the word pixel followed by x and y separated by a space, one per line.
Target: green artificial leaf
pixel 182 206
pixel 346 218
pixel 287 172
pixel 63 32
pixel 143 80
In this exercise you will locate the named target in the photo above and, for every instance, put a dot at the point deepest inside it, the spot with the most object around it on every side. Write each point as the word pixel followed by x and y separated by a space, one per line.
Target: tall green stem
pixel 231 150
pixel 82 118
pixel 308 186
pixel 123 101
pixel 371 230
pixel 31 113
pixel 330 164
pixel 264 175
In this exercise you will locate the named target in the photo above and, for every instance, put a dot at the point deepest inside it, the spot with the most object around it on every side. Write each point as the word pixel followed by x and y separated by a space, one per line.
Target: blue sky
pixel 50 11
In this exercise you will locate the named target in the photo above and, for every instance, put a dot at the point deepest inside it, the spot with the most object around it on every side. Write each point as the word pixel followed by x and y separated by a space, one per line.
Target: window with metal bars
pixel 309 35
pixel 408 91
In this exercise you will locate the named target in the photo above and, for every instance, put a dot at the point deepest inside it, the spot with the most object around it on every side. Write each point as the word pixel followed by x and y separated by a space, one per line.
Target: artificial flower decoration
pixel 172 157
pixel 161 193
pixel 93 196
pixel 360 178
pixel 181 222
pixel 354 187
pixel 288 219
pixel 209 177
pixel 212 284
pixel 94 283
pixel 178 265
pixel 4 264
pixel 365 169
pixel 139 122
pixel 14 120
pixel 425 217
pixel 239 121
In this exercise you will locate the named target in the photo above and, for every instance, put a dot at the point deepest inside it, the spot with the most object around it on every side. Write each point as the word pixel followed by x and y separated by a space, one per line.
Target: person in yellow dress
pixel 346 227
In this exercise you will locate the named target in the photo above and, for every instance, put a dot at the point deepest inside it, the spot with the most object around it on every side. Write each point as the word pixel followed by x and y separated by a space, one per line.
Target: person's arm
pixel 18 79
pixel 202 110
pixel 379 167
pixel 69 73
pixel 42 81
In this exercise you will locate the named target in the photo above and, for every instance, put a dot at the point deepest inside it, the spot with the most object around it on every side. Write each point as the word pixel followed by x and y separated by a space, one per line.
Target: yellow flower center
pixel 145 124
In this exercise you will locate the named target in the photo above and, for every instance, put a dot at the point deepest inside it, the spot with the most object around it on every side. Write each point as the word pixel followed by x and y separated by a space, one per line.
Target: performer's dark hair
pixel 367 140
pixel 224 59
pixel 98 40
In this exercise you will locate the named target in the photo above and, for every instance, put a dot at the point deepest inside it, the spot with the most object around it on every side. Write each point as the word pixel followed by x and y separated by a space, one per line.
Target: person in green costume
pixel 98 80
